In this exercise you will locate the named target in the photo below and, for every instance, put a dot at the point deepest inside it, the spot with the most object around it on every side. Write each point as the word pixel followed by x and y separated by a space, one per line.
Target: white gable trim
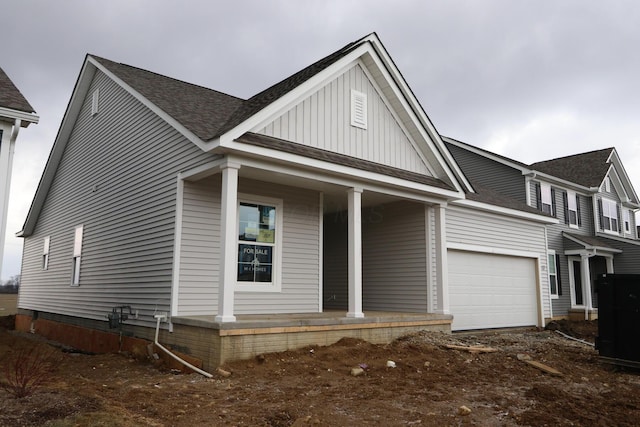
pixel 622 176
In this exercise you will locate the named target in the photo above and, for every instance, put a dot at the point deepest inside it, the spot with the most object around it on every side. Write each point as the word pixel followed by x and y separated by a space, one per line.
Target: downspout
pixel 159 318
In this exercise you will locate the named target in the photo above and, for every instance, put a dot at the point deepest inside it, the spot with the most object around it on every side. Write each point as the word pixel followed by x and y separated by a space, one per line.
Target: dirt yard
pixel 430 385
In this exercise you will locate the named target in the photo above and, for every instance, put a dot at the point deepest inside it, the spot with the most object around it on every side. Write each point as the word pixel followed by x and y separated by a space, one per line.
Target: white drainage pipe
pixel 160 317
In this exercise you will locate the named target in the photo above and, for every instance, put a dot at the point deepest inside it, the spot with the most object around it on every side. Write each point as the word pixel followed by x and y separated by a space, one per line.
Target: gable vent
pixel 358 109
pixel 94 102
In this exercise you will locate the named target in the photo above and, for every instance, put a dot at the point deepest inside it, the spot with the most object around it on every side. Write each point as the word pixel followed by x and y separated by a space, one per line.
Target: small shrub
pixel 28 370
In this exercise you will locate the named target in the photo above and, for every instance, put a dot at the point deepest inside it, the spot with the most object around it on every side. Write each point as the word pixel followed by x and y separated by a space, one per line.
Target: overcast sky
pixel 528 79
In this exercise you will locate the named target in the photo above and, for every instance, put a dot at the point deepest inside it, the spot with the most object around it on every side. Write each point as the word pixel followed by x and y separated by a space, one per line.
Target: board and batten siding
pixel 323 120
pixel 394 258
pixel 200 250
pixel 489 173
pixel 496 232
pixel 117 178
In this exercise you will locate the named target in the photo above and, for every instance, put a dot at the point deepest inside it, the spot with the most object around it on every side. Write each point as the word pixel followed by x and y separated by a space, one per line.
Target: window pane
pixel 248 222
pixel 245 272
pixel 553 284
pixel 573 217
pixel 263 273
pixel 552 264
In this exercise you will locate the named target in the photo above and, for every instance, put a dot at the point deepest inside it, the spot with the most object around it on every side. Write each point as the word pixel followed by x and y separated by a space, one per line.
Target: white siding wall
pixel 481 229
pixel 200 248
pixel 200 253
pixel 323 120
pixel 117 178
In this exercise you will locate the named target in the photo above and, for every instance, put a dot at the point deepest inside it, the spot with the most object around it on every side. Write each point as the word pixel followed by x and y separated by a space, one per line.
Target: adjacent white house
pixel 15 113
pixel 325 206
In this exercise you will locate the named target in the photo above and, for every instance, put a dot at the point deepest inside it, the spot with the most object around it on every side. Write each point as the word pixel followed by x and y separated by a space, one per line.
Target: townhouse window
pixel 572 209
pixel 553 274
pixel 45 253
pixel 607 185
pixel 626 219
pixel 259 243
pixel 546 197
pixel 609 217
pixel 77 256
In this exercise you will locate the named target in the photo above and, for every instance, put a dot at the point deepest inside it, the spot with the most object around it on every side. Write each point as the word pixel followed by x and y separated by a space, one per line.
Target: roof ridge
pixel 573 155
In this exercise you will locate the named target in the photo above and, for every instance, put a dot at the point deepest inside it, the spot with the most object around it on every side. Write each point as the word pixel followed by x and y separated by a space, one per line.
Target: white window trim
pixel 572 202
pixel 276 284
pixel 626 221
pixel 551 255
pixel 545 197
pixel 607 203
pixel 77 255
pixel 358 109
pixel 45 253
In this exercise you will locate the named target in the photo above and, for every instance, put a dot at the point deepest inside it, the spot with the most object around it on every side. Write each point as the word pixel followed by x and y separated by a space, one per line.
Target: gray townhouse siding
pixel 557 243
pixel 489 173
pixel 628 262
pixel 117 178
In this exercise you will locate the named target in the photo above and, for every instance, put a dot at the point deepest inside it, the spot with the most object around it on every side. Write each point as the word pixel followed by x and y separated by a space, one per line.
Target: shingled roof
pixel 10 96
pixel 587 169
pixel 203 111
pixel 206 112
pixel 487 195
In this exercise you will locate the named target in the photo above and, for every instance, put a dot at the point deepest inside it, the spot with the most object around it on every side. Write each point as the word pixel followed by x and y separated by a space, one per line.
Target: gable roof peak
pixel 587 169
pixel 11 97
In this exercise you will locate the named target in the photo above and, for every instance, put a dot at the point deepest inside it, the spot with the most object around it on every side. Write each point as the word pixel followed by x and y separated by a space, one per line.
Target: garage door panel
pixel 491 291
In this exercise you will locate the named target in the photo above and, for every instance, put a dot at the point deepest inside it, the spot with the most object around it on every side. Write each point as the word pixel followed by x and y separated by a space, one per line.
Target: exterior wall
pixel 200 247
pixel 489 173
pixel 394 251
pixel 117 178
pixel 627 261
pixel 495 232
pixel 300 253
pixel 323 120
pixel 335 275
pixel 200 250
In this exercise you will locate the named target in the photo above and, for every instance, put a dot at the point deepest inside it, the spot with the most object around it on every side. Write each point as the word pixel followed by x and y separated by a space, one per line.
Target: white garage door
pixel 491 291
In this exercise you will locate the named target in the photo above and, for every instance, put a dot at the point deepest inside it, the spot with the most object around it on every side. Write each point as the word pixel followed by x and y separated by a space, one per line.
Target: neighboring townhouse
pixel 325 206
pixel 15 113
pixel 594 201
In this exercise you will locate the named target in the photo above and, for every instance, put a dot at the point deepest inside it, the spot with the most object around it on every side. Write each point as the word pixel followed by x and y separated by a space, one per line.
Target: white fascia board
pixel 562 183
pixel 622 173
pixel 618 185
pixel 12 115
pixel 505 211
pixel 288 100
pixel 68 121
pixel 319 170
pixel 153 107
pixel 391 73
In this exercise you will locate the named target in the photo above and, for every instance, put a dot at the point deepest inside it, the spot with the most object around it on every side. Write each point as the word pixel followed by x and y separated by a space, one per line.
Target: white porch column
pixel 6 155
pixel 228 241
pixel 609 261
pixel 586 284
pixel 442 265
pixel 354 198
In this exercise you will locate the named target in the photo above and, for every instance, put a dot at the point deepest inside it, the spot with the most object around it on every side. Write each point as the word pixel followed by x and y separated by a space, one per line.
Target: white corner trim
pixel 177 240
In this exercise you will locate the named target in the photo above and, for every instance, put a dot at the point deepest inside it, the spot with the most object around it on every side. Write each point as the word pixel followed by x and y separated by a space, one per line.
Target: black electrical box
pixel 618 339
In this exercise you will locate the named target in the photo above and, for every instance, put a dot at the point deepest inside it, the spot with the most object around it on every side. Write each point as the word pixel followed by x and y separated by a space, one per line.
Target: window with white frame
pixel 609 215
pixel 572 208
pixel 545 194
pixel 259 243
pixel 45 253
pixel 626 219
pixel 77 256
pixel 553 273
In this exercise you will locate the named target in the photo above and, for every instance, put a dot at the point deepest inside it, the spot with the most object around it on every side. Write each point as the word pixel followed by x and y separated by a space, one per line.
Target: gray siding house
pixel 325 206
pixel 595 203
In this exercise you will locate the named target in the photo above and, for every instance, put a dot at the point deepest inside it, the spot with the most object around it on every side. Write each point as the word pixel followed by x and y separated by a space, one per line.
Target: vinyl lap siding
pixel 300 253
pixel 117 178
pixel 394 258
pixel 323 120
pixel 335 263
pixel 471 227
pixel 200 248
pixel 489 173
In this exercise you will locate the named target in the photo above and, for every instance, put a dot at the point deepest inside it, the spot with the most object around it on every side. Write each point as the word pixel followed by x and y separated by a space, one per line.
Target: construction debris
pixel 471 349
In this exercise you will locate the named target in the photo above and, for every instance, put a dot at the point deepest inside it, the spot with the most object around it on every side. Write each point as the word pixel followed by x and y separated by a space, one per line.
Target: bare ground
pixel 313 386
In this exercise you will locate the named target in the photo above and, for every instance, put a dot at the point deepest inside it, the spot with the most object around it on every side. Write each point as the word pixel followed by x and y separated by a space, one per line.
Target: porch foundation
pixel 577 314
pixel 208 344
